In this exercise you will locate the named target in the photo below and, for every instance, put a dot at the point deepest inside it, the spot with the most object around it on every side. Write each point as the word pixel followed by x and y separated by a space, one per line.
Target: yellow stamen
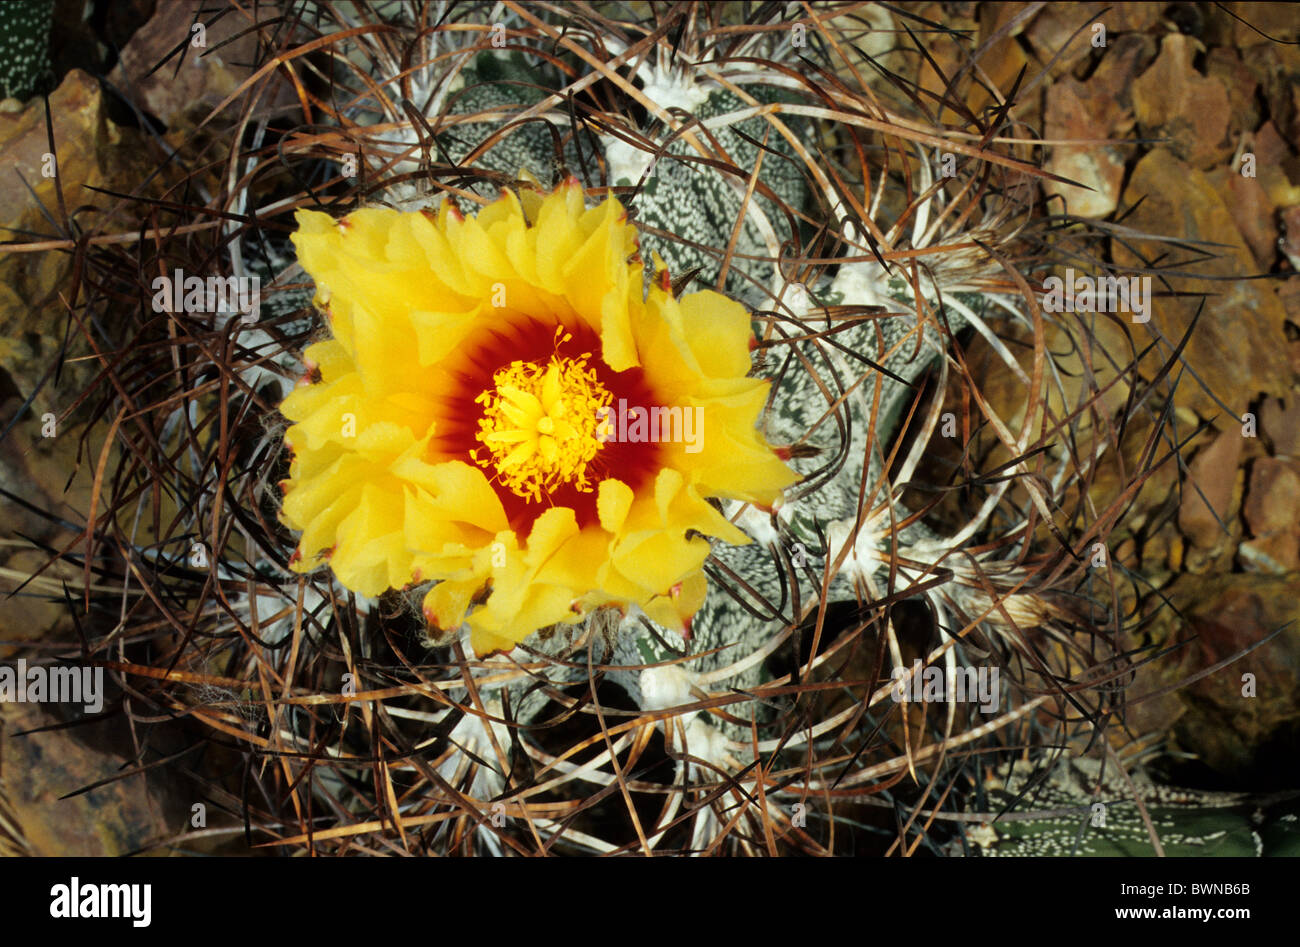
pixel 539 424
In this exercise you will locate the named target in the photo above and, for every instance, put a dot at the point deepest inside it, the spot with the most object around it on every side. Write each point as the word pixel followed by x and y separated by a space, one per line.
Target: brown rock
pixel 1227 613
pixel 1260 23
pixel 1280 421
pixel 1254 213
pixel 1225 65
pixel 92 152
pixel 206 77
pixel 1290 241
pixel 1278 554
pixel 1214 472
pixel 1269 147
pixel 1004 59
pixel 1272 510
pixel 1275 166
pixel 1051 31
pixel 1275 66
pixel 1238 348
pixel 1215 616
pixel 1171 99
pixel 1127 56
pixel 1073 111
pixel 42 767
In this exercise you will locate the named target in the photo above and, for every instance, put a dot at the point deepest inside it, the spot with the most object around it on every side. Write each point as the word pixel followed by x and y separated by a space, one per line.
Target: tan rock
pixel 43 767
pixel 1238 349
pixel 1072 111
pixel 92 152
pixel 1280 421
pixel 1171 99
pixel 1272 157
pixel 1272 510
pixel 208 74
pixel 1260 23
pixel 1207 494
pixel 1254 213
pixel 1056 29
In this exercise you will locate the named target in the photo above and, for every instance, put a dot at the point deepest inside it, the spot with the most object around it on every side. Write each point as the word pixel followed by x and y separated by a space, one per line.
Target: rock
pixel 1211 480
pixel 1224 726
pixel 1171 99
pixel 111 820
pixel 1290 240
pixel 1098 109
pixel 1260 23
pixel 1225 65
pixel 1050 31
pixel 1271 511
pixel 1280 422
pixel 1242 317
pixel 1001 61
pixel 1272 159
pixel 1073 111
pixel 1255 213
pixel 92 152
pixel 205 78
pixel 1245 739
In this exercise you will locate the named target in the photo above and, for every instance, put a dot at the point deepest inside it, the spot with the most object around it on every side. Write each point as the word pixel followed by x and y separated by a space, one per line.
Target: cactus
pixel 1079 810
pixel 866 275
pixel 25 47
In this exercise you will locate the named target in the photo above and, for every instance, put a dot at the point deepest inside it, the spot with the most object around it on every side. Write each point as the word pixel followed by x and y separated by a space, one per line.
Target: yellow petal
pixel 408 297
pixel 446 603
pixel 613 500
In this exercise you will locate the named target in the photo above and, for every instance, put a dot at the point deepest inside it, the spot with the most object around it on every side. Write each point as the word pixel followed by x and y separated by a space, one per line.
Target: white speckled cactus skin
pixel 24 46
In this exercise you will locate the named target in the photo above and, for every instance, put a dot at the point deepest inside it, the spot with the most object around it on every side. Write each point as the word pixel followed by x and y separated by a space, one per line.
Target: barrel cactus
pixel 869 248
pixel 25 47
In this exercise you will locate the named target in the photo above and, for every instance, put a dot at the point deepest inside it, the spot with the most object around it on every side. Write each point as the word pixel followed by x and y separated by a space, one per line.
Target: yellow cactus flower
pixel 505 410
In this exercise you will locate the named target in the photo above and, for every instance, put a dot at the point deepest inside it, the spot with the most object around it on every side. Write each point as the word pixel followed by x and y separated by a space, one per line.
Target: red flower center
pixel 519 346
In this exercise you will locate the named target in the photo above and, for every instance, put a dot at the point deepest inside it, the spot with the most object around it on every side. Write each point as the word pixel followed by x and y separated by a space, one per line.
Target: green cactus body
pixel 24 46
pixel 1079 821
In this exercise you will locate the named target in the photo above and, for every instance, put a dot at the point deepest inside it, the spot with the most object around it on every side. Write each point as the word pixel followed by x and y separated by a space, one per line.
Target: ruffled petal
pixel 402 472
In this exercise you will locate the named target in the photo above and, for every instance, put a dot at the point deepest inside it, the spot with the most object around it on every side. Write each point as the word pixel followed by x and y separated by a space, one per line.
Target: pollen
pixel 540 425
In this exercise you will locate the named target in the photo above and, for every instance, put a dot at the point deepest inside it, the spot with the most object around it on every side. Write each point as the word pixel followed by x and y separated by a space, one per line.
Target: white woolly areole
pixel 471 733
pixel 863 284
pixel 863 559
pixel 663 688
pixel 670 89
pixel 707 743
pixel 797 298
pixel 665 87
pixel 755 522
pixel 626 161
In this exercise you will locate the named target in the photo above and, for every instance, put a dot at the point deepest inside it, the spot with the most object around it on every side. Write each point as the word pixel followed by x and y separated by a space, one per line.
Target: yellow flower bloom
pixel 503 409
